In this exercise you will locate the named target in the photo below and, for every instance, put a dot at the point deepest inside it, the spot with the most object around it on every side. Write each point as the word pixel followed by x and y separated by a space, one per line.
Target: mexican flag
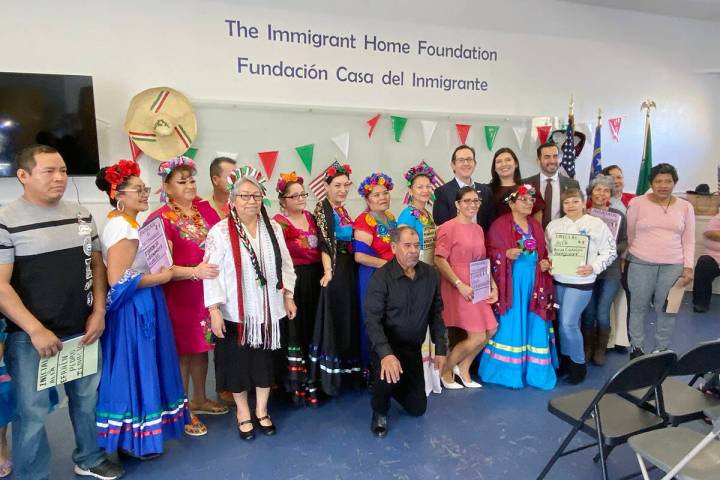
pixel 643 184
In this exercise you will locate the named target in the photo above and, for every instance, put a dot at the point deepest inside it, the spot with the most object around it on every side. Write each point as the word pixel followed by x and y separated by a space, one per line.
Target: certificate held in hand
pixel 480 280
pixel 154 245
pixel 569 251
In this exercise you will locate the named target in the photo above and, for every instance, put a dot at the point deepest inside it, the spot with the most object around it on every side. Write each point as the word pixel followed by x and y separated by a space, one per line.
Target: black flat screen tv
pixel 54 110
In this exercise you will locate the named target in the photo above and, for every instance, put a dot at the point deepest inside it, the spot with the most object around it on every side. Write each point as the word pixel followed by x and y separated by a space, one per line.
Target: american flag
pixel 436 182
pixel 568 148
pixel 317 185
pixel 596 166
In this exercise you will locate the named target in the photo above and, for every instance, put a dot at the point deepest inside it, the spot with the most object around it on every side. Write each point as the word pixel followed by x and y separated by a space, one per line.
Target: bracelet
pixel 458 282
pixel 194 276
pixel 213 307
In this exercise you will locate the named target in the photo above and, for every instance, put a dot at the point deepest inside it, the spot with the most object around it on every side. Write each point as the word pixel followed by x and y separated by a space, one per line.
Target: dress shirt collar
pixel 544 178
pixel 463 184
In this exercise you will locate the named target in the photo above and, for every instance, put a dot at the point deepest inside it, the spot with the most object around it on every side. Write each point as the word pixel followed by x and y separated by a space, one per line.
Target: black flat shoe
pixel 270 429
pixel 379 425
pixel 620 349
pixel 126 454
pixel 577 373
pixel 250 434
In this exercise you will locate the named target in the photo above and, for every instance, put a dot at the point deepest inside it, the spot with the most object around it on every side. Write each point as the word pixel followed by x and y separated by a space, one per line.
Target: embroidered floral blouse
pixel 379 231
pixel 302 244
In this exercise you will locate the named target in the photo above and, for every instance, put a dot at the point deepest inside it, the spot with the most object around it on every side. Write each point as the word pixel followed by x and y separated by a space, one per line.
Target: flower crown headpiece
pixel 116 174
pixel 337 169
pixel 165 169
pixel 374 180
pixel 285 178
pixel 525 189
pixel 247 171
pixel 421 169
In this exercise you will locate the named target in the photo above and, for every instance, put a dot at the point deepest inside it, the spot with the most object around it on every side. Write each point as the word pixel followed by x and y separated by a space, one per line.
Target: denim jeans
pixel 651 282
pixel 572 303
pixel 30 447
pixel 598 310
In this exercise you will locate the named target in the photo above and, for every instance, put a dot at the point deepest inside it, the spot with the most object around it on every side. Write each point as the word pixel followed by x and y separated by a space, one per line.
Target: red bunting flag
pixel 268 160
pixel 135 151
pixel 372 123
pixel 615 128
pixel 543 132
pixel 462 130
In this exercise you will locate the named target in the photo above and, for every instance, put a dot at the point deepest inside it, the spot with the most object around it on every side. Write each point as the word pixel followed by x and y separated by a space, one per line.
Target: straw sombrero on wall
pixel 161 122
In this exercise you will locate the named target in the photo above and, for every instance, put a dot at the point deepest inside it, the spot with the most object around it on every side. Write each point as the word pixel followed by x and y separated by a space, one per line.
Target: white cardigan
pixel 602 249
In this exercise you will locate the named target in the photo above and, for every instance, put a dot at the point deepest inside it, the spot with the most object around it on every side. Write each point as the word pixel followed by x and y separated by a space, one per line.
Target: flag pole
pixel 647 105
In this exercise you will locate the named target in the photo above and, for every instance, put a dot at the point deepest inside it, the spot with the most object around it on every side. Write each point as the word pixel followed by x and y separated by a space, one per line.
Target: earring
pixel 120 206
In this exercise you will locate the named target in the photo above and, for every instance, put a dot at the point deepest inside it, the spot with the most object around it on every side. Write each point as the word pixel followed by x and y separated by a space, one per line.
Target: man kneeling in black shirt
pixel 402 300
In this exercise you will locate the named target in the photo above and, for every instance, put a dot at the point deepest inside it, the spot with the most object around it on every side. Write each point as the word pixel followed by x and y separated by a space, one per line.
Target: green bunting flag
pixel 398 125
pixel 306 155
pixel 490 135
pixel 191 152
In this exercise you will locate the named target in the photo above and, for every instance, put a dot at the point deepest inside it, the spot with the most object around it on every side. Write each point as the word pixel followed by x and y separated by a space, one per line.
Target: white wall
pixel 547 49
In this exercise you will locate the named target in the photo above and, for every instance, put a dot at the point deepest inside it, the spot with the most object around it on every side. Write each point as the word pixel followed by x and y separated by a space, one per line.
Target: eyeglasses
pixel 527 199
pixel 379 194
pixel 296 196
pixel 246 197
pixel 139 191
pixel 471 201
pixel 464 160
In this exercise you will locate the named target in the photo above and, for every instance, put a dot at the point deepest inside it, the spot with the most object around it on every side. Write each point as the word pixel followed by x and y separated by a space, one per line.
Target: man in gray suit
pixel 549 183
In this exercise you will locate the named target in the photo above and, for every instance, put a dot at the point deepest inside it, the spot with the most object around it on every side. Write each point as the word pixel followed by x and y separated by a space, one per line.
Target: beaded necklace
pixel 195 224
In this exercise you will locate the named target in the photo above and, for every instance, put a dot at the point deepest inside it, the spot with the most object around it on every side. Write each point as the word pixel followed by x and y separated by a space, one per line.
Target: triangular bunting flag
pixel 520 133
pixel 232 155
pixel 491 132
pixel 428 128
pixel 590 131
pixel 543 132
pixel 372 123
pixel 135 151
pixel 462 130
pixel 343 143
pixel 191 152
pixel 306 155
pixel 268 160
pixel 398 125
pixel 615 128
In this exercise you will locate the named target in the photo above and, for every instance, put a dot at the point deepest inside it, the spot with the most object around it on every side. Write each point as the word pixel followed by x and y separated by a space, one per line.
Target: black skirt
pixel 297 340
pixel 241 368
pixel 335 350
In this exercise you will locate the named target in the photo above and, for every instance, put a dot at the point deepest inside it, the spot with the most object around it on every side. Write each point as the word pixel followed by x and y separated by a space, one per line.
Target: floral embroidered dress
pixel 380 247
pixel 187 236
pixel 305 253
pixel 141 402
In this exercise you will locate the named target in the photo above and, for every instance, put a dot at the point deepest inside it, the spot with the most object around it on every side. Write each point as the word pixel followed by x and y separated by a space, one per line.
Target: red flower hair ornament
pixel 116 174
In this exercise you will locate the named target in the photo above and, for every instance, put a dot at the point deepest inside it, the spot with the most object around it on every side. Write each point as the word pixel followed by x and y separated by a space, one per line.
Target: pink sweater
pixel 659 237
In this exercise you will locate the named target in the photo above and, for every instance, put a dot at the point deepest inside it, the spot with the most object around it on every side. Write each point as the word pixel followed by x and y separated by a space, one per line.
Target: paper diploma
pixel 72 362
pixel 154 245
pixel 611 219
pixel 480 279
pixel 569 251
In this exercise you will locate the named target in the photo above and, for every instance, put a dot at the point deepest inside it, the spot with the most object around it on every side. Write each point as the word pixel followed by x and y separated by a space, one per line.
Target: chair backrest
pixel 702 359
pixel 642 372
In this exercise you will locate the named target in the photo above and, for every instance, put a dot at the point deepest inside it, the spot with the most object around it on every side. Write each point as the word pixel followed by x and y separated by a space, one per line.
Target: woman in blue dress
pixel 141 398
pixel 7 406
pixel 522 352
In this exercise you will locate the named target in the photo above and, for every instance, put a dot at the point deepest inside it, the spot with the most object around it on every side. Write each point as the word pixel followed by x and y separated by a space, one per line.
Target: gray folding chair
pixel 682 453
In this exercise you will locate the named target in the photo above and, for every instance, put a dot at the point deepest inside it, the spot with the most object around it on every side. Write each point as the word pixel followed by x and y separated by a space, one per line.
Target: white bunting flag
pixel 520 133
pixel 428 127
pixel 343 143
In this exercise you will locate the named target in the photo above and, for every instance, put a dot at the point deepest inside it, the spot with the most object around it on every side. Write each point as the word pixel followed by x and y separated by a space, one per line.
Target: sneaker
pixel 636 352
pixel 107 470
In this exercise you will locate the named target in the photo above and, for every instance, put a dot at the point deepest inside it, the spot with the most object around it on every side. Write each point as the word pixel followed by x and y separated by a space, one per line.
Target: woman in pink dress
pixel 459 242
pixel 187 220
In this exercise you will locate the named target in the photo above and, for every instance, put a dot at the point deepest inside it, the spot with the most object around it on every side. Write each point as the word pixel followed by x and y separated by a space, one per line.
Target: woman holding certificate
pixel 186 221
pixel 460 248
pixel 249 297
pixel 580 247
pixel 523 350
pixel 661 252
pixel 141 400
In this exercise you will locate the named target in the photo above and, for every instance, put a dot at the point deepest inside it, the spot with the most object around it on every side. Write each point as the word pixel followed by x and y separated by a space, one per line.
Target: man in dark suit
pixel 549 184
pixel 463 165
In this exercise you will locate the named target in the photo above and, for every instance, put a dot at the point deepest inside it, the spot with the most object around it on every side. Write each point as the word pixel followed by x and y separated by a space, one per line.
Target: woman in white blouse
pixel 574 290
pixel 253 291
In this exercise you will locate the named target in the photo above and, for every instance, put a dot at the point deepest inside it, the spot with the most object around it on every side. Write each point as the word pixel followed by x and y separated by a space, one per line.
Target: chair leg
pixel 642 467
pixel 601 443
pixel 558 453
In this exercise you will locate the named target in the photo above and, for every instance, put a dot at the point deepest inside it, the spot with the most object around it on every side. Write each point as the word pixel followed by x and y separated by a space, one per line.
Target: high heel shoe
pixel 450 385
pixel 267 430
pixel 469 384
pixel 250 434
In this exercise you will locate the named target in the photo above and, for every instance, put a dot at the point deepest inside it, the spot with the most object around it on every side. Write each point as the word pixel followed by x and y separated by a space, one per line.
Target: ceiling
pixel 696 9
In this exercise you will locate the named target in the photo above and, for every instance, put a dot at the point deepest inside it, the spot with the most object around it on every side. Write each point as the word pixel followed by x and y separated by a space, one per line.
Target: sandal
pixel 195 428
pixel 6 469
pixel 250 434
pixel 208 407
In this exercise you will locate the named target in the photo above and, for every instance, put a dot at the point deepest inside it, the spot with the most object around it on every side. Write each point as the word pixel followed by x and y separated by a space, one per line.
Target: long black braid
pixel 276 246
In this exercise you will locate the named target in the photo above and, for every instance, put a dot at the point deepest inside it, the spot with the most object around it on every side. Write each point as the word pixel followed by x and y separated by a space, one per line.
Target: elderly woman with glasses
pixel 523 350
pixel 301 237
pixel 459 242
pixel 186 220
pixel 248 299
pixel 371 244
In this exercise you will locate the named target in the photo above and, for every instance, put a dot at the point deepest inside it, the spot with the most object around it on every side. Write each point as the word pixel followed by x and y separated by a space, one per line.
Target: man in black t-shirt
pixel 52 286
